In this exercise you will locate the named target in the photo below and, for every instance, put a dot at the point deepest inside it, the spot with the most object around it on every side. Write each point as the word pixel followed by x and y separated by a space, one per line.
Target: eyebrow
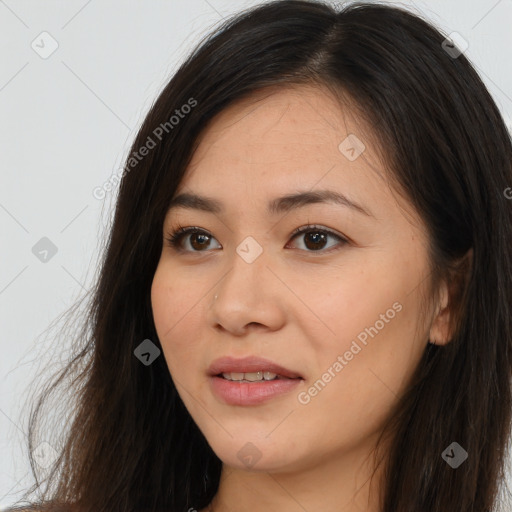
pixel 276 206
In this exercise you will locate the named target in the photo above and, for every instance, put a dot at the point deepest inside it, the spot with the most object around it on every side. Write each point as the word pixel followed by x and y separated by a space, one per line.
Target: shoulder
pixel 42 508
pixel 18 509
pixel 24 509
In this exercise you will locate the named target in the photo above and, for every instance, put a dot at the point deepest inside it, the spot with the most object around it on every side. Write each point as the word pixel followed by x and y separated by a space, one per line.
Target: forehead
pixel 285 132
pixel 289 138
pixel 291 122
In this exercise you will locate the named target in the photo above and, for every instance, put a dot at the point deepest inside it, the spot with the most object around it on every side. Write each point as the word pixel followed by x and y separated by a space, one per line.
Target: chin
pixel 256 453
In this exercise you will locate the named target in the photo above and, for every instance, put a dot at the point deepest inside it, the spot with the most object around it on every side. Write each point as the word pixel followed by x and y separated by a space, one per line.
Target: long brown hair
pixel 131 444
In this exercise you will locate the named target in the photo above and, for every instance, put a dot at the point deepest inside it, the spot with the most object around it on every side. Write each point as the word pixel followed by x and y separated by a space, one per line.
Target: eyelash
pixel 175 237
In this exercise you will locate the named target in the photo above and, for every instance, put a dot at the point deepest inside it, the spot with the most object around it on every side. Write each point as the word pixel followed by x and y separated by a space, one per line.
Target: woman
pixel 276 369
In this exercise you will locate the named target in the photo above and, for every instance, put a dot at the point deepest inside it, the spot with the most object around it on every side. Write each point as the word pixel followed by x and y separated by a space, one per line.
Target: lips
pixel 249 364
pixel 250 392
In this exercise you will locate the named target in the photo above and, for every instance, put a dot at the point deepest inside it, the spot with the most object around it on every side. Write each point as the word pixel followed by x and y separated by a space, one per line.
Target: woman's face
pixel 343 315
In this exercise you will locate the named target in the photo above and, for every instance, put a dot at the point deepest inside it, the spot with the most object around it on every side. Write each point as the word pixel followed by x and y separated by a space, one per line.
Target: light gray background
pixel 66 124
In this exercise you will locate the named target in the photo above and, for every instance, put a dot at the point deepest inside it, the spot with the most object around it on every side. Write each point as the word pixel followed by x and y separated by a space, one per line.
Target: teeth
pixel 250 377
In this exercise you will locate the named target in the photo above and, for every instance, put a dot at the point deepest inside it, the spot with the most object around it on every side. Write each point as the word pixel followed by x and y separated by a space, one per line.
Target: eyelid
pixel 312 227
pixel 177 233
pixel 342 240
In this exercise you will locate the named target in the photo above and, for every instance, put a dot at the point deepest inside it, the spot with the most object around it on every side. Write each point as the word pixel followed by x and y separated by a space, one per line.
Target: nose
pixel 249 297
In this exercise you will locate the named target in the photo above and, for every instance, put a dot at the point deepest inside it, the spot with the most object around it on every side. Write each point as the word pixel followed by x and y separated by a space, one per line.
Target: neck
pixel 341 482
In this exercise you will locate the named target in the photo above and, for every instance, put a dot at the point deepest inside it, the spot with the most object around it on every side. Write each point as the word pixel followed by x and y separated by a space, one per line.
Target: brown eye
pixel 198 239
pixel 315 238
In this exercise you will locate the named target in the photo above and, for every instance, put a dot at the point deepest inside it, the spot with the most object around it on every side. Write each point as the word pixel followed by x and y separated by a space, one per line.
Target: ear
pixel 449 302
pixel 440 329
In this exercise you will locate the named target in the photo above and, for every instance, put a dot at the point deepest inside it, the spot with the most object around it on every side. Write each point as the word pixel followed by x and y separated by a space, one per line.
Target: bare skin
pixel 296 304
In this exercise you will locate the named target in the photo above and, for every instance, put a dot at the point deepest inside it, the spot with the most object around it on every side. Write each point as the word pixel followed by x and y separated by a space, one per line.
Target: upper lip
pixel 249 364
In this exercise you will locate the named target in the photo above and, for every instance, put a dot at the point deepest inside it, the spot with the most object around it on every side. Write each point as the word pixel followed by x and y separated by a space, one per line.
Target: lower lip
pixel 251 393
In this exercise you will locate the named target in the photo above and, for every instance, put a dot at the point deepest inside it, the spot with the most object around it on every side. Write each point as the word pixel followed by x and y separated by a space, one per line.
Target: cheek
pixel 164 308
pixel 174 318
pixel 348 299
pixel 361 372
pixel 177 313
pixel 371 315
